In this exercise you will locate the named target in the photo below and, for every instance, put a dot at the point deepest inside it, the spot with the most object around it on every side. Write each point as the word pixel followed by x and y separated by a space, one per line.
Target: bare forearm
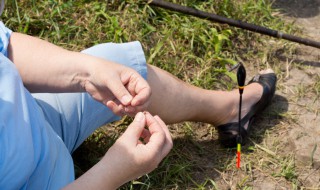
pixel 101 176
pixel 45 67
pixel 110 172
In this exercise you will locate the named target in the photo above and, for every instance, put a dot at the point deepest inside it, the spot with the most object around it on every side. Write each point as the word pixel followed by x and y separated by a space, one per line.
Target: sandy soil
pixel 303 136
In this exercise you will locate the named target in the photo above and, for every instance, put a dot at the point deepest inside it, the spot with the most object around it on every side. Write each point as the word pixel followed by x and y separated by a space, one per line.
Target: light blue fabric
pixel 39 131
pixel 4 38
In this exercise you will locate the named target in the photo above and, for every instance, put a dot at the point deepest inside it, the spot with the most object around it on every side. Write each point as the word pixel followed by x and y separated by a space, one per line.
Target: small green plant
pixel 288 169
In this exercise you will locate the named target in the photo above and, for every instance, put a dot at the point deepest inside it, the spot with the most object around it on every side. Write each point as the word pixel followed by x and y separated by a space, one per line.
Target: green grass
pixel 197 51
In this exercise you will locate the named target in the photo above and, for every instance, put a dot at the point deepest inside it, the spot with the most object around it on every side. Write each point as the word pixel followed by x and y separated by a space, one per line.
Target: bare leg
pixel 176 101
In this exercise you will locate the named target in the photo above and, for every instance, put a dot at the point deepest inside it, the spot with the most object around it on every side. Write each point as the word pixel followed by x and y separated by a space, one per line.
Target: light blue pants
pixel 74 116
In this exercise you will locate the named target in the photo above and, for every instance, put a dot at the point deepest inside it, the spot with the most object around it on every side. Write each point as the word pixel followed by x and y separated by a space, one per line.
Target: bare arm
pixel 45 67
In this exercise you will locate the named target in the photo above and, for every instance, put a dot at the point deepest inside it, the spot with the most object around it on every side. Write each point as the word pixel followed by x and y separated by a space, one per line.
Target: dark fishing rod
pixel 235 23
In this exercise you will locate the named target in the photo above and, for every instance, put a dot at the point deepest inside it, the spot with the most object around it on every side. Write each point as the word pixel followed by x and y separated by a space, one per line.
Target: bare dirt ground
pixel 302 135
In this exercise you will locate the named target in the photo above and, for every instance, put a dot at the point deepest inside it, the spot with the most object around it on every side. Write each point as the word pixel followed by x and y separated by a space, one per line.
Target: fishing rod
pixel 232 22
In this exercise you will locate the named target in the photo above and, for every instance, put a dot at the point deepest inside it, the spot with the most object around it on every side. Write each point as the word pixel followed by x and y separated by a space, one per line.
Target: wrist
pixel 82 71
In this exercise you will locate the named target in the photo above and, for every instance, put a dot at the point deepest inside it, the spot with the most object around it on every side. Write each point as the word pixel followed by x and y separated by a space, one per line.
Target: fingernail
pixel 139 117
pixel 126 99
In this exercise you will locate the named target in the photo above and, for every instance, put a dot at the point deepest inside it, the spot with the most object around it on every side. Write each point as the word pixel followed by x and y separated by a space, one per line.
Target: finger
pixel 164 127
pixel 131 86
pixel 146 135
pixel 135 129
pixel 141 102
pixel 157 137
pixel 129 110
pixel 169 143
pixel 142 97
pixel 106 98
pixel 117 109
pixel 140 142
pixel 143 92
pixel 120 92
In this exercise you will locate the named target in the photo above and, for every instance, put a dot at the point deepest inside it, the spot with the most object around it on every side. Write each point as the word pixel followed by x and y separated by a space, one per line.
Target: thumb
pixel 135 129
pixel 120 92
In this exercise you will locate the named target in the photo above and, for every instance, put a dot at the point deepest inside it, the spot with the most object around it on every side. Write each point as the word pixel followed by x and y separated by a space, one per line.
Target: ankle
pixel 229 112
pixel 251 95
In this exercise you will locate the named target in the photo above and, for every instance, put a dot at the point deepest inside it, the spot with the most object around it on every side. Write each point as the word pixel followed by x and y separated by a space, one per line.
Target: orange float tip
pixel 238 155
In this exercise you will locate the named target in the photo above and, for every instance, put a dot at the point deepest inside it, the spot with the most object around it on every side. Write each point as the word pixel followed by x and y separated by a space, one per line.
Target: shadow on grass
pixel 298 9
pixel 283 58
pixel 269 118
pixel 301 62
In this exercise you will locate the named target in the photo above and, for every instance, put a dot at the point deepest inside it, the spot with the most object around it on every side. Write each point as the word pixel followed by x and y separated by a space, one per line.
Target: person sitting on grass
pixel 52 99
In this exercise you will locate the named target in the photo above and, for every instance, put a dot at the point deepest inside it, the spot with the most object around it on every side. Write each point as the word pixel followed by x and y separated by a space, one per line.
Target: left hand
pixel 120 88
pixel 129 158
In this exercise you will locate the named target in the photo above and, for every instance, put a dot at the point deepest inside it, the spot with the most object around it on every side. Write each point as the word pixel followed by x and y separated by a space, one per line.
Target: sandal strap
pixel 268 82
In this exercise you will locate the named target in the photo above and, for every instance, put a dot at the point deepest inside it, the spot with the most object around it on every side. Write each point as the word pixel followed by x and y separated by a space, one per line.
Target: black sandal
pixel 228 132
